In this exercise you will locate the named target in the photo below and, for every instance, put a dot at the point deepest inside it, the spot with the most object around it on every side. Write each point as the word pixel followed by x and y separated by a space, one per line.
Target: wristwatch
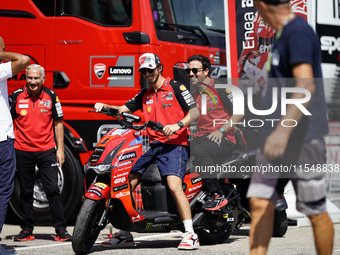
pixel 222 130
pixel 180 124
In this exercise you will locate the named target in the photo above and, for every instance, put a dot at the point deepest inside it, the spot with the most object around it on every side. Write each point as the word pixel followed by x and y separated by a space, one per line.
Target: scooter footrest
pixel 163 220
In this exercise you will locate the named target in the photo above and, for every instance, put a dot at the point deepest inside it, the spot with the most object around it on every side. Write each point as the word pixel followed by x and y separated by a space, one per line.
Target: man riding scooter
pixel 170 103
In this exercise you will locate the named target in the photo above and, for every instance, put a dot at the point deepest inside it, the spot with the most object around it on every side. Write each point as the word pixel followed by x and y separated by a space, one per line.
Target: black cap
pixel 275 2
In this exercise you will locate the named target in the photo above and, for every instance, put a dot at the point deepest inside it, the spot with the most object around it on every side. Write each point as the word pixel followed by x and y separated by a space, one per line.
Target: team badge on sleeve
pixel 59 109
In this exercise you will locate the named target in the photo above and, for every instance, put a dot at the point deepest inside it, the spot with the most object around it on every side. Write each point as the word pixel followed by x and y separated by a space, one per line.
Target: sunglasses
pixel 144 70
pixel 194 70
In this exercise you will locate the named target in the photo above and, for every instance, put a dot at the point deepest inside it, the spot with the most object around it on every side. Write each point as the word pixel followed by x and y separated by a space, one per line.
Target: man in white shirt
pixel 15 64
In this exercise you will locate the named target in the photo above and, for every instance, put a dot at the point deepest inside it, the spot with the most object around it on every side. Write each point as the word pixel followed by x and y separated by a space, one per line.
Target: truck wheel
pixel 86 229
pixel 71 184
pixel 280 223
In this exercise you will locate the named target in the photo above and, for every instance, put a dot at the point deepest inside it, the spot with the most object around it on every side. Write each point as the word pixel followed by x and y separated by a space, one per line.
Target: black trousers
pixel 208 153
pixel 48 171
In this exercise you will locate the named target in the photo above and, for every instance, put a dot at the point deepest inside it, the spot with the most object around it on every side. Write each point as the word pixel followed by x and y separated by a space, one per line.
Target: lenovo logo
pixel 123 70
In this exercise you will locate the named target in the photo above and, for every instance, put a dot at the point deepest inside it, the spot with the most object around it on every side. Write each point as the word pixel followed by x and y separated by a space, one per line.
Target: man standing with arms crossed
pixel 15 64
pixel 296 55
pixel 170 103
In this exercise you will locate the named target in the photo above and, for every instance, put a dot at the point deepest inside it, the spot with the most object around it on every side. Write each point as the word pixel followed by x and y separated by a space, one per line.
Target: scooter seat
pixel 151 174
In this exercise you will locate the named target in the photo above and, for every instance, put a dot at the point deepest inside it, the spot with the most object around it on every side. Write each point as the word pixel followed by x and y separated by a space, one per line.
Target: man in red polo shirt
pixel 170 103
pixel 36 110
pixel 213 141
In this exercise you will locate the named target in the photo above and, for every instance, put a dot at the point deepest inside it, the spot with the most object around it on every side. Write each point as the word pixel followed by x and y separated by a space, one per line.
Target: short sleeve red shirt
pixel 33 119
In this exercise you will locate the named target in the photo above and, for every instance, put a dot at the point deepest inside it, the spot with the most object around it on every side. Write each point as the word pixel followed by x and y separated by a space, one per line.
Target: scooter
pixel 109 198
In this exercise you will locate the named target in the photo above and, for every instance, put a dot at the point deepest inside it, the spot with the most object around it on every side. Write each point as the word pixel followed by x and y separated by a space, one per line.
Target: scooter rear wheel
pixel 218 233
pixel 86 229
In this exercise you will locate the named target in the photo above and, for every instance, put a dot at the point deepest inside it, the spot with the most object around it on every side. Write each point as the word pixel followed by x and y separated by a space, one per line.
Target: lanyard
pixel 276 39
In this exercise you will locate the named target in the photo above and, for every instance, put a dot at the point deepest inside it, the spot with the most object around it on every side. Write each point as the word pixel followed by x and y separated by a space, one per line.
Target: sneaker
pixel 118 240
pixel 3 251
pixel 24 235
pixel 215 202
pixel 189 241
pixel 63 236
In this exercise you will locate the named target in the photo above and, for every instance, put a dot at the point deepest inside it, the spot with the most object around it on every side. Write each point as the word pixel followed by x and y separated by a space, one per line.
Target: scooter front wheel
pixel 86 229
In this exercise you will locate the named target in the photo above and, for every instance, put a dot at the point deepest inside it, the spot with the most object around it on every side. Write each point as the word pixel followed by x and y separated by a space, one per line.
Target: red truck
pixel 90 51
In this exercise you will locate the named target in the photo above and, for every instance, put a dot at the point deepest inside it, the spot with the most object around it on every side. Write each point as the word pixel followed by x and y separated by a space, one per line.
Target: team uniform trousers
pixel 46 162
pixel 208 153
pixel 7 171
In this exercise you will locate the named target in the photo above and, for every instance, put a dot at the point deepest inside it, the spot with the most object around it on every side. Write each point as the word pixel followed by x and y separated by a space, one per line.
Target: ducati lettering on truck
pixel 123 70
pixel 127 156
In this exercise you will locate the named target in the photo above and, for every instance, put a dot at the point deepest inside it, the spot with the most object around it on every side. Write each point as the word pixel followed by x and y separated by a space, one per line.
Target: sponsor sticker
pixel 22 106
pixel 123 194
pixel 167 96
pixel 135 219
pixel 182 87
pixel 196 180
pixel 123 164
pixel 23 112
pixel 95 192
pixel 127 156
pixel 48 104
pixel 138 140
pixel 115 189
pixel 100 185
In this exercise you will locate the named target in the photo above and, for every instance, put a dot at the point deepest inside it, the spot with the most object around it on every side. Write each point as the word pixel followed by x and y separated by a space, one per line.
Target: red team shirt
pixel 33 119
pixel 168 105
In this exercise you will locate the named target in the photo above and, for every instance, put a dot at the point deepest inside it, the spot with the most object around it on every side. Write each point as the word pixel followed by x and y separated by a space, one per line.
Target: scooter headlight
pixel 103 168
pixel 99 169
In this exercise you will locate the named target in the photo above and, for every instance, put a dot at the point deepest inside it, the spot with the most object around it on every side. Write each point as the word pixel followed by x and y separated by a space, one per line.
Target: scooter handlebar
pixel 111 112
pixel 157 126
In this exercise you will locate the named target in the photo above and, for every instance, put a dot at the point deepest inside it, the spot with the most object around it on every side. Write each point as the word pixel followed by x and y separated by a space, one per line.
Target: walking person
pixel 294 63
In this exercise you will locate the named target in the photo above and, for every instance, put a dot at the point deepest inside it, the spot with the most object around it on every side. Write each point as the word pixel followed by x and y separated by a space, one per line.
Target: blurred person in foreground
pixel 15 63
pixel 294 63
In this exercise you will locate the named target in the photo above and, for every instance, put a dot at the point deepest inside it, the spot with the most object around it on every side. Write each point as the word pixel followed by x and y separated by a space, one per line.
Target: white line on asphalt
pixel 140 238
pixel 42 246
